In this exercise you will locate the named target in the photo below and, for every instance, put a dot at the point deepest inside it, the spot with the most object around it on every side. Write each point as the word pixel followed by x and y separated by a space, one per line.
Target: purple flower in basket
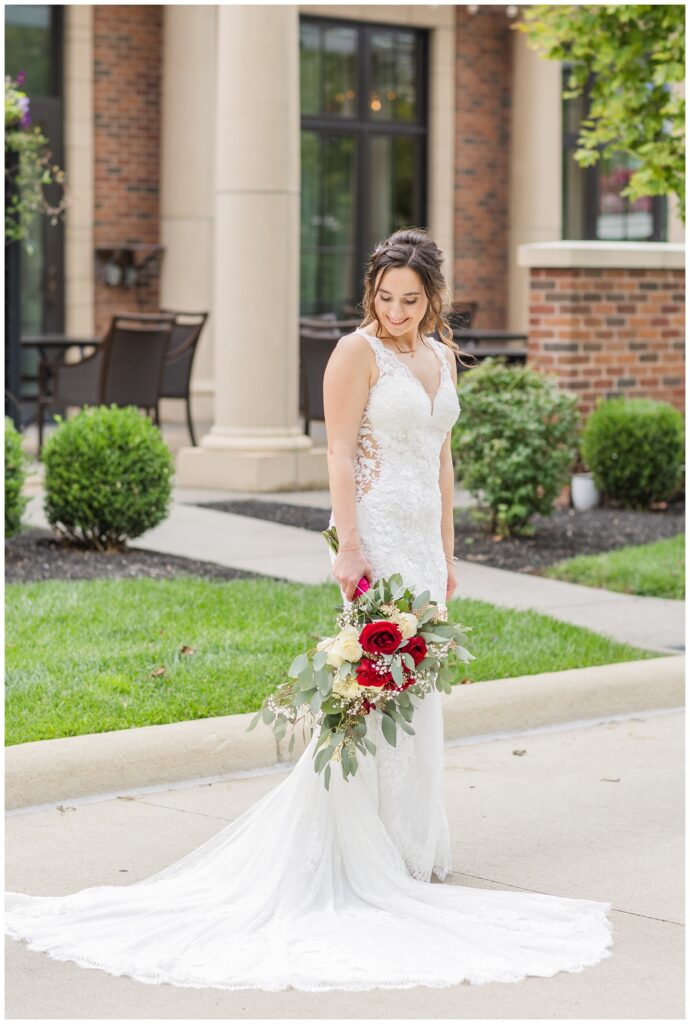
pixel 26 116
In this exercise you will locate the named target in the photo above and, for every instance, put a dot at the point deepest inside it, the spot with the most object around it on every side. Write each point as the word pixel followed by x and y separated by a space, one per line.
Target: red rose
pixel 380 637
pixel 416 647
pixel 368 676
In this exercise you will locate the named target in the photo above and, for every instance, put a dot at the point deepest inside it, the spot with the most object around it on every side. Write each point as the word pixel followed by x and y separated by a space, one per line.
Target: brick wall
pixel 481 189
pixel 127 118
pixel 609 331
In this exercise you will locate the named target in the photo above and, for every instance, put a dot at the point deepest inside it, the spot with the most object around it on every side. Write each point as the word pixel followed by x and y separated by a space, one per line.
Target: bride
pixel 315 889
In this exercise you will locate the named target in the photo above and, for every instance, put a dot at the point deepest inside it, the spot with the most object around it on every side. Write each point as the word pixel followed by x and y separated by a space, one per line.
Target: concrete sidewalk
pixel 591 812
pixel 73 767
pixel 256 545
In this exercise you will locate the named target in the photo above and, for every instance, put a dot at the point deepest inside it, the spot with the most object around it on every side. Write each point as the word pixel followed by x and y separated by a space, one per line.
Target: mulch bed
pixel 563 534
pixel 36 554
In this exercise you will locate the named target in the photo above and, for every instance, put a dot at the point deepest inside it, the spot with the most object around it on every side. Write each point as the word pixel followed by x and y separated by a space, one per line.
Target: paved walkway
pixel 591 812
pixel 256 545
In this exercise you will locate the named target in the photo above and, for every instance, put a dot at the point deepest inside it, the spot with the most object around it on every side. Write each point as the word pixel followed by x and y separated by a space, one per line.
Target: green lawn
pixel 652 570
pixel 80 655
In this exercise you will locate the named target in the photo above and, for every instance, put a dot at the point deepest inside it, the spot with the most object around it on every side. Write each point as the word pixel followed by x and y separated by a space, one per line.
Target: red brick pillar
pixel 127 44
pixel 609 329
pixel 482 157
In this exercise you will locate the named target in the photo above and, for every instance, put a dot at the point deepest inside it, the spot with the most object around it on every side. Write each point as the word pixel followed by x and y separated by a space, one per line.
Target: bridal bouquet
pixel 390 644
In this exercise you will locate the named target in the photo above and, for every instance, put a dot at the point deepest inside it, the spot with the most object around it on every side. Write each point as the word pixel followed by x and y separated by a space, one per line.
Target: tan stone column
pixel 187 186
pixel 256 441
pixel 79 164
pixel 535 166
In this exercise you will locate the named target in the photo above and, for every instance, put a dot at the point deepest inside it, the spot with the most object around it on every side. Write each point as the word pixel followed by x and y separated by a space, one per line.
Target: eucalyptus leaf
pixel 388 729
pixel 322 759
pixel 397 672
pixel 300 662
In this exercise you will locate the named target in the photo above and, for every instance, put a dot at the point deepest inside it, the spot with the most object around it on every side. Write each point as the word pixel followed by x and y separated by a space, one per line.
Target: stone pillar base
pixel 228 469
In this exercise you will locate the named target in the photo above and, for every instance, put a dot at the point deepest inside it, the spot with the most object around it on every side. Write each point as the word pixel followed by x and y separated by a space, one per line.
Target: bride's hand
pixel 348 569
pixel 452 581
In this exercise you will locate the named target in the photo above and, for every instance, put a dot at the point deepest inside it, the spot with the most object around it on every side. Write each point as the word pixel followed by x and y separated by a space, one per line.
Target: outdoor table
pixel 54 345
pixel 472 334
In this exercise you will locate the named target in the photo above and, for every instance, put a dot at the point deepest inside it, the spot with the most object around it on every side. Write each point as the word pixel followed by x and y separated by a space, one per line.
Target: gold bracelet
pixel 451 558
pixel 354 548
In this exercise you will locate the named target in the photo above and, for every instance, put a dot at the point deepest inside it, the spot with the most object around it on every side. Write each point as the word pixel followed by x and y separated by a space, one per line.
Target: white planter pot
pixel 583 492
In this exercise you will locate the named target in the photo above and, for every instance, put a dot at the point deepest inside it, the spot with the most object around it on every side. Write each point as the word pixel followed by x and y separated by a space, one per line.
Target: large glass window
pixel 33 44
pixel 593 207
pixel 364 126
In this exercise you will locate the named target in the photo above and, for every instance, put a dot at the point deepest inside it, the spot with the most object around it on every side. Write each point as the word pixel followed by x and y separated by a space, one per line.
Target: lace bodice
pixel 403 428
pixel 397 465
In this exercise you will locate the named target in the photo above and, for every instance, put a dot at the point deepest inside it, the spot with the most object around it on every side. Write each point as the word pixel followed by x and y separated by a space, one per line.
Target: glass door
pixel 363 103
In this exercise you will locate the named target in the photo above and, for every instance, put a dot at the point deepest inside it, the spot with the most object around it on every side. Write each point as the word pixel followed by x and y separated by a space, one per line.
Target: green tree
pixel 632 59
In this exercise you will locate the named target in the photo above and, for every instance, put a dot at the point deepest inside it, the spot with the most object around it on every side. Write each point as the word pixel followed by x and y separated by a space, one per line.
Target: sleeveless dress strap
pixel 385 360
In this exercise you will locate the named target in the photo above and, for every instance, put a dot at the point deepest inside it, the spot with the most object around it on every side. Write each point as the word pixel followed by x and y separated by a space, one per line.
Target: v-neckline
pixel 432 401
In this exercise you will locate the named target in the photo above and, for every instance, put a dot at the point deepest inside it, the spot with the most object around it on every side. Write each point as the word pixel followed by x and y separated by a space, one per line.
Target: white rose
pixel 333 657
pixel 348 687
pixel 347 646
pixel 408 624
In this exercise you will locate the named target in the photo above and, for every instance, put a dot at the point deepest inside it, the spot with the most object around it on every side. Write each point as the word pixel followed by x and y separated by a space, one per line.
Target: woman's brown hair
pixel 414 248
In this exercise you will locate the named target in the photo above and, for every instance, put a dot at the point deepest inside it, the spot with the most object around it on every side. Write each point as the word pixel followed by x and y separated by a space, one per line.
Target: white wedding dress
pixel 319 890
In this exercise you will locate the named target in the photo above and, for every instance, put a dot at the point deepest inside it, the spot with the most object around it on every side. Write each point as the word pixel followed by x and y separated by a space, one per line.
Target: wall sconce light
pixel 113 274
pixel 129 265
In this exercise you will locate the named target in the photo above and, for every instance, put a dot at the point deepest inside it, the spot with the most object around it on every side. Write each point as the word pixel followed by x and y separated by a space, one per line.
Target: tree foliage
pixel 631 57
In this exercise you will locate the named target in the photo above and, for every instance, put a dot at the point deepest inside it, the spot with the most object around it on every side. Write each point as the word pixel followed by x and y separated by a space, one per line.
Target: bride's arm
pixel 446 477
pixel 345 394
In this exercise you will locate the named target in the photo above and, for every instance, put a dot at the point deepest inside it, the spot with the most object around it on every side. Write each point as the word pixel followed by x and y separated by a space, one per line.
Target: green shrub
pixel 107 476
pixel 634 448
pixel 514 441
pixel 15 474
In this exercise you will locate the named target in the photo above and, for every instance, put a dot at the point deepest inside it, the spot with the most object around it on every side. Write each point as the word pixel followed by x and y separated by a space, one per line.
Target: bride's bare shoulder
pixel 352 357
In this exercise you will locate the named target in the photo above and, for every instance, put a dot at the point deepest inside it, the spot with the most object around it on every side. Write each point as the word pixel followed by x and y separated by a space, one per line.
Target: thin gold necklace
pixel 406 351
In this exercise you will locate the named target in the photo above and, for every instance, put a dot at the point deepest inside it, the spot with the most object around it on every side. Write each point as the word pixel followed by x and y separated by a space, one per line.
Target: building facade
pixel 245 159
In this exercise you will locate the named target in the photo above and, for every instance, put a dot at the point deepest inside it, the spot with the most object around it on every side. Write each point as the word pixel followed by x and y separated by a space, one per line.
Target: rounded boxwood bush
pixel 634 448
pixel 107 476
pixel 514 442
pixel 15 475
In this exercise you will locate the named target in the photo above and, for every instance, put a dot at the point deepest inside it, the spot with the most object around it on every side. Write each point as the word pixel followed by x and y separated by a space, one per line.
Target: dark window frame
pixel 362 127
pixel 569 143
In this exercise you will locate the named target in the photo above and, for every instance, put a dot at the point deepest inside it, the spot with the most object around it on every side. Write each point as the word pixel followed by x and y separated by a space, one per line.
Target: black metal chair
pixel 177 368
pixel 328 322
pixel 317 338
pixel 126 368
pixel 462 315
pixel 315 349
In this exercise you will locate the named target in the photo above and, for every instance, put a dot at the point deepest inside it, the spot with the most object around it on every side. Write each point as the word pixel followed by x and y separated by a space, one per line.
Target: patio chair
pixel 177 368
pixel 125 369
pixel 328 322
pixel 315 347
pixel 462 315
